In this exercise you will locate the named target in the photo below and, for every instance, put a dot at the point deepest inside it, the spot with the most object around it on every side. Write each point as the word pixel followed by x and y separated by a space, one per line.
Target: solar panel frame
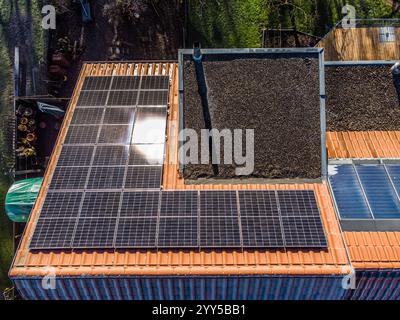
pixel 348 193
pixel 154 83
pixel 153 98
pixel 261 231
pixel 94 233
pixel 103 178
pixel 61 205
pixel 218 203
pixel 53 234
pixel 178 232
pixel 136 233
pixel 179 204
pixel 303 232
pixel 115 134
pixel 82 134
pixel 146 154
pixel 85 116
pixel 111 155
pixel 122 98
pixel 380 194
pixel 150 126
pixel 297 203
pixel 96 83
pixel 140 204
pixel 101 204
pixel 219 232
pixel 125 83
pixel 69 178
pixel 92 98
pixel 75 155
pixel 258 203
pixel 119 115
pixel 143 177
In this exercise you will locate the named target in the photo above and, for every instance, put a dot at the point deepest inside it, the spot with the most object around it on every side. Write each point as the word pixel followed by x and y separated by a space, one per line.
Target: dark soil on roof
pixel 361 98
pixel 278 98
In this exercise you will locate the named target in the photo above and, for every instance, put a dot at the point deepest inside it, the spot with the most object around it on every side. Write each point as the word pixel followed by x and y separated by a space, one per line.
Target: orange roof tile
pixel 367 144
pixel 333 260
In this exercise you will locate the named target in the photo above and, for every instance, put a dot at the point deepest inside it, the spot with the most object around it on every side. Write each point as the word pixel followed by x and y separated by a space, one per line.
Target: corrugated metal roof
pixel 334 260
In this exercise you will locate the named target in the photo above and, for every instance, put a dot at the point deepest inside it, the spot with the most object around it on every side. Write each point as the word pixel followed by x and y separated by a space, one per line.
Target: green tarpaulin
pixel 21 197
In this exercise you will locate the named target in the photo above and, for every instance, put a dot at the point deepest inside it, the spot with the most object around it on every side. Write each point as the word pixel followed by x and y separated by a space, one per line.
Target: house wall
pixel 376 285
pixel 184 288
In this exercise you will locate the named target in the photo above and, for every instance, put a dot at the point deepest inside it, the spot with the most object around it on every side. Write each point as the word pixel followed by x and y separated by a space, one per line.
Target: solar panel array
pixel 183 219
pixel 114 145
pixel 105 191
pixel 366 191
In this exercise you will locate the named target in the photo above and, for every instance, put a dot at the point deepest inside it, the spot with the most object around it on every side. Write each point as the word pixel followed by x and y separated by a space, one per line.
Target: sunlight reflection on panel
pixel 146 154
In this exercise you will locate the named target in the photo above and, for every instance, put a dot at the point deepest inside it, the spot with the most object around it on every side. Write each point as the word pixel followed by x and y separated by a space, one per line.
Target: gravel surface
pixel 278 98
pixel 361 98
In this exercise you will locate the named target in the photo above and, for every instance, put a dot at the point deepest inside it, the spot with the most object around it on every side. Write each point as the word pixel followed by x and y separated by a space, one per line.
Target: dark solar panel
pixel 100 204
pixel 82 135
pixel 94 233
pixel 298 203
pixel 106 178
pixel 73 155
pixel 69 178
pixel 146 154
pixel 92 98
pixel 125 83
pixel 53 233
pixel 119 134
pixel 179 204
pixel 303 231
pixel 61 205
pixel 119 116
pixel 258 203
pixel 87 116
pixel 122 98
pixel 153 98
pixel 155 83
pixel 218 203
pixel 218 231
pixel 143 177
pixel 111 155
pixel 96 83
pixel 150 126
pixel 136 233
pixel 261 231
pixel 177 232
pixel 141 204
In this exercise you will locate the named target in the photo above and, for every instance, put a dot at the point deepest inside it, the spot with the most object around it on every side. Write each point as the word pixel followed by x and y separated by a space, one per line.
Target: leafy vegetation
pixel 15 16
pixel 238 23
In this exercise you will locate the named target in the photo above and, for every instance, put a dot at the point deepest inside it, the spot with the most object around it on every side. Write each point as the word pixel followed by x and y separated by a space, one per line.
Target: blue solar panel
pixel 348 193
pixel 379 191
pixel 394 173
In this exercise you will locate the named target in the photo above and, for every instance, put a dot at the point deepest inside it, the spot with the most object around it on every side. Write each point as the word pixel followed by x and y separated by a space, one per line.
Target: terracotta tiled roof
pixel 333 260
pixel 365 144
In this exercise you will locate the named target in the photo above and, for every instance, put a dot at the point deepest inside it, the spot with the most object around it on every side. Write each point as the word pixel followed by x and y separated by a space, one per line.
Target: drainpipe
pixel 197 57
